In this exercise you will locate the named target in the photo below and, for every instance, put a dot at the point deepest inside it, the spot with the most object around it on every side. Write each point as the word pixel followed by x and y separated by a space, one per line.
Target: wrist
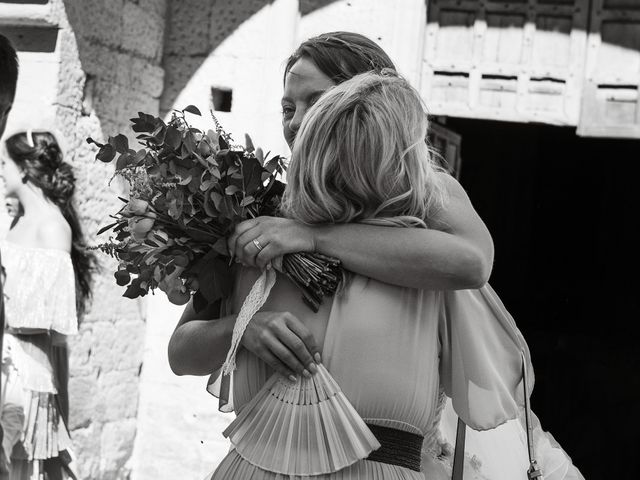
pixel 322 238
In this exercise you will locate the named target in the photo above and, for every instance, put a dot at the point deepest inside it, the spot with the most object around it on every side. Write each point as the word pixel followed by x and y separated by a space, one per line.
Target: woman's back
pixel 379 342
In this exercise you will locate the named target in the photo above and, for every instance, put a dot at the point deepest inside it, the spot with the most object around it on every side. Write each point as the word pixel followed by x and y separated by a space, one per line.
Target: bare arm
pixel 456 254
pixel 197 346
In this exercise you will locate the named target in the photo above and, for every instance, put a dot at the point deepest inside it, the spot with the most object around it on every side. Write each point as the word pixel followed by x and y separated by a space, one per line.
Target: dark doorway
pixel 563 211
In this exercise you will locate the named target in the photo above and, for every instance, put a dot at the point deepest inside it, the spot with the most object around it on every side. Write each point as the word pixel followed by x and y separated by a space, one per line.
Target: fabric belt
pixel 397 447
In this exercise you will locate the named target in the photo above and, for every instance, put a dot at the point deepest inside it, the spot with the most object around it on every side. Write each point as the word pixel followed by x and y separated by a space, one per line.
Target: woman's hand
pixel 257 242
pixel 283 342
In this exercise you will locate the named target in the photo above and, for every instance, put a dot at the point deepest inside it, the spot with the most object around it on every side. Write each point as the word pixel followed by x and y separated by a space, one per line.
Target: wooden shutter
pixel 518 60
pixel 447 145
pixel 611 104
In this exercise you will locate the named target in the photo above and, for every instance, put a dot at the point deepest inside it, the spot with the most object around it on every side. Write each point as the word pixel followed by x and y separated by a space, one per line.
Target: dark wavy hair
pixel 39 158
pixel 342 55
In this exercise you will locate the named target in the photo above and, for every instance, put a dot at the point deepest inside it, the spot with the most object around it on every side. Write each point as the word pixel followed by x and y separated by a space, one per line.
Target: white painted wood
pixel 611 99
pixel 518 61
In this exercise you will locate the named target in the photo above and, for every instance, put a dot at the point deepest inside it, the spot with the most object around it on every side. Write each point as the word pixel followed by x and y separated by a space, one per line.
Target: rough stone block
pixel 71 77
pixel 96 20
pixel 121 344
pixel 98 60
pixel 143 31
pixel 88 451
pixel 178 70
pixel 82 395
pixel 188 29
pixel 107 98
pixel 118 394
pixel 140 74
pixel 117 442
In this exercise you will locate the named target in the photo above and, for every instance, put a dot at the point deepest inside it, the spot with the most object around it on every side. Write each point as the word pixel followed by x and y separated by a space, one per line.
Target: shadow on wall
pixel 120 46
pixel 189 43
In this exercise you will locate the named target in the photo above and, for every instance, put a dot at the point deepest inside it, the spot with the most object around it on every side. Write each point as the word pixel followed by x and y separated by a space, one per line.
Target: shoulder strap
pixel 534 472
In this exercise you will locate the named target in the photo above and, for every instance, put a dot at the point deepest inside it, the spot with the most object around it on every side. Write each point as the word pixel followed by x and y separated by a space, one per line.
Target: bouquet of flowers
pixel 188 191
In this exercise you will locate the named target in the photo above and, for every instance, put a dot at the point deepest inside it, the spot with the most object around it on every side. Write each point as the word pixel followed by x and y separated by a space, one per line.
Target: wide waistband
pixel 397 447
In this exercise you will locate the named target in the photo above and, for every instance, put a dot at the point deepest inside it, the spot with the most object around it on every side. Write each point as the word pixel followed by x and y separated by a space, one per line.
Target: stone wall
pixel 239 46
pixel 105 65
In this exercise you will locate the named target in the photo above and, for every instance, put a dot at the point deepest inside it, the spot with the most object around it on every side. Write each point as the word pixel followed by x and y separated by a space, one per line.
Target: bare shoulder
pixel 457 209
pixel 452 186
pixel 54 233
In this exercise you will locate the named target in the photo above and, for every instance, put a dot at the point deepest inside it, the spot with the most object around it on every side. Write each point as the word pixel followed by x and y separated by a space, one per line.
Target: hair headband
pixel 30 140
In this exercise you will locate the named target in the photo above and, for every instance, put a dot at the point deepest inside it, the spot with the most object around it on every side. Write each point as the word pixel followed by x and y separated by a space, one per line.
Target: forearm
pixel 198 347
pixel 409 257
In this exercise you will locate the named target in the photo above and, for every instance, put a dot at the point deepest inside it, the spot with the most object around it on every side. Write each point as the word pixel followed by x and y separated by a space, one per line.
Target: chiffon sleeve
pixel 219 385
pixel 40 289
pixel 481 358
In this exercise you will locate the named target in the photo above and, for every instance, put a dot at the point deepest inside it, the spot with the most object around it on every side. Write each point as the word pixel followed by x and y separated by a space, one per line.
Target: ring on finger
pixel 257 244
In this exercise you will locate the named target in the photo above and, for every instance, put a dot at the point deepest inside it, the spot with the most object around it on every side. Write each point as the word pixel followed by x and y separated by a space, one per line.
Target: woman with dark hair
pixel 48 286
pixel 454 253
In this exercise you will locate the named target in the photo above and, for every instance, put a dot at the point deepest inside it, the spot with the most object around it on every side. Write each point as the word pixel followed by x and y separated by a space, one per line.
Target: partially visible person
pixel 48 284
pixel 8 81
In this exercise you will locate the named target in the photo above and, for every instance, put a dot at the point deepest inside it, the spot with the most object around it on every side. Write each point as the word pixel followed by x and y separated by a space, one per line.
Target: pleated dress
pixel 398 354
pixel 40 312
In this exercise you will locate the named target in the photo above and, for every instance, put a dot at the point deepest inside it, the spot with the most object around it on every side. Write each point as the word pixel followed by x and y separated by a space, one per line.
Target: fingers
pixel 283 342
pixel 251 247
pixel 310 351
pixel 241 228
pixel 274 362
pixel 266 255
pixel 277 263
pixel 295 353
pixel 288 359
pixel 245 249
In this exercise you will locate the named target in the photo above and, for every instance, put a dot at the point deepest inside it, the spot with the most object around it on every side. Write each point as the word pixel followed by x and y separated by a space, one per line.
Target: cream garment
pixel 395 352
pixel 40 311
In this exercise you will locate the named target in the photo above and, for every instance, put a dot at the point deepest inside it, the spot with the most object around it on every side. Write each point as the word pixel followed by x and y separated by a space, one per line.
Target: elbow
pixel 173 353
pixel 475 270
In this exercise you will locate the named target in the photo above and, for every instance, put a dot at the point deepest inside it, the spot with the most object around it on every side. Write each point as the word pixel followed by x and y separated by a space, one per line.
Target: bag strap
pixel 534 472
pixel 458 454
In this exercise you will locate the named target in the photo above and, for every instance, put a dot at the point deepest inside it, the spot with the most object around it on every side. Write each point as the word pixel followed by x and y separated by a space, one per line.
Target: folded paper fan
pixel 302 428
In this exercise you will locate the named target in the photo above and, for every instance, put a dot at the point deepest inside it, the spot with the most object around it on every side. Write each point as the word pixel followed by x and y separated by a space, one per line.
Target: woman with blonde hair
pixel 360 157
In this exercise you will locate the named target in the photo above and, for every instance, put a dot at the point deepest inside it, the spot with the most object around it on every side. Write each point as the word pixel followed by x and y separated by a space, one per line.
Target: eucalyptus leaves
pixel 188 191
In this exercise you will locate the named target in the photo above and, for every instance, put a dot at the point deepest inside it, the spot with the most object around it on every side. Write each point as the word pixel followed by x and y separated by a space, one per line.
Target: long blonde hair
pixel 361 154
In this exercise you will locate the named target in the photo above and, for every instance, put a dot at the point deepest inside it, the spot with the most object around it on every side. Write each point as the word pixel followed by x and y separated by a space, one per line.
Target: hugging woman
pixel 414 322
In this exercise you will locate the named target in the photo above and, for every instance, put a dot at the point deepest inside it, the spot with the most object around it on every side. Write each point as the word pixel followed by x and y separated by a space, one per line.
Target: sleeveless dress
pixel 40 311
pixel 398 353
